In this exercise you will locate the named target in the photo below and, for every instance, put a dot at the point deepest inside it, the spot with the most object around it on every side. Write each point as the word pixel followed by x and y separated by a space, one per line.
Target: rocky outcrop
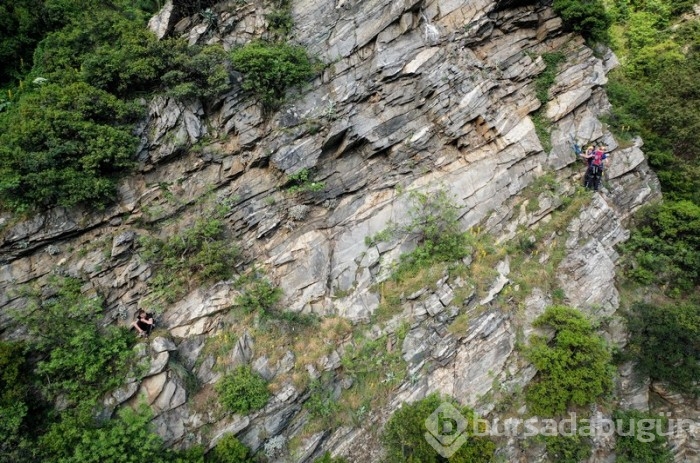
pixel 418 95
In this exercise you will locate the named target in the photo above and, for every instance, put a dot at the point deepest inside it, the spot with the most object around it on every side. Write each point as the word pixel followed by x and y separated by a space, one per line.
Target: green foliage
pixel 588 17
pixel 545 80
pixel 404 438
pixel 260 296
pixel 271 68
pixel 302 182
pixel 242 391
pixel 198 255
pixel 229 450
pixel 83 360
pixel 127 439
pixel 573 368
pixel 67 141
pixel 435 220
pixel 643 445
pixel 327 458
pixel 14 395
pixel 322 402
pixel 64 144
pixel 280 22
pixel 665 340
pixel 665 246
pixel 568 449
pixel 543 128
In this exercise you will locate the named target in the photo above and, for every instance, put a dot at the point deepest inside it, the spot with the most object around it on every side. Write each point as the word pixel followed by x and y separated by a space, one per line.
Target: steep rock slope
pixel 418 96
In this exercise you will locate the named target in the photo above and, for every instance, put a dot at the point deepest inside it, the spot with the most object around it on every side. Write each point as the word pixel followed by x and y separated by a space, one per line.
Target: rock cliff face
pixel 418 95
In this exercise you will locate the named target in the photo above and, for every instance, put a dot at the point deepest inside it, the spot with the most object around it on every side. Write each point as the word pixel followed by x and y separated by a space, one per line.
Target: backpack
pixel 598 158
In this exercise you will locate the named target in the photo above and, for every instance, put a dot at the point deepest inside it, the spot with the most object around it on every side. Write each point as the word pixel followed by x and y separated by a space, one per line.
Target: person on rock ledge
pixel 144 323
pixel 597 160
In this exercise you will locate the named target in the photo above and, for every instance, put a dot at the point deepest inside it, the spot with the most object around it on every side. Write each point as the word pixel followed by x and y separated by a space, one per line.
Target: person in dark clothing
pixel 144 323
pixel 596 163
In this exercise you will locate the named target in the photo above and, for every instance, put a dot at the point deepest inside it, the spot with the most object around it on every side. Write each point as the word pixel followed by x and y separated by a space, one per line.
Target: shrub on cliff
pixel 587 17
pixel 65 144
pixel 242 391
pixel 665 340
pixel 404 435
pixel 269 69
pixel 573 368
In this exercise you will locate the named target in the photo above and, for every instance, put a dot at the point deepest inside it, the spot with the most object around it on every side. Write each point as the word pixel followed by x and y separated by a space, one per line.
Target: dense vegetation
pixel 404 436
pixel 637 441
pixel 271 68
pixel 72 360
pixel 587 17
pixel 665 338
pixel 655 95
pixel 242 391
pixel 67 115
pixel 572 369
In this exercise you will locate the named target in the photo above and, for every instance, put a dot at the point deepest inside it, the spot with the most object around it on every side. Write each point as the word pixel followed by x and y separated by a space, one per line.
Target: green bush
pixel 259 296
pixel 270 69
pixel 573 368
pixel 567 449
pixel 65 144
pixel 588 17
pixel 327 458
pixel 665 340
pixel 242 391
pixel 664 248
pixel 82 359
pixel 126 438
pixel 200 254
pixel 229 450
pixel 435 220
pixel 640 446
pixel 67 141
pixel 404 436
pixel 14 398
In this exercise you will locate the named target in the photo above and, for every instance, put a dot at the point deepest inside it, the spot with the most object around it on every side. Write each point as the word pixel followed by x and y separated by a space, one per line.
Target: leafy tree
pixel 665 340
pixel 229 450
pixel 642 445
pixel 64 145
pixel 242 391
pixel 269 69
pixel 17 402
pixel 588 17
pixel 665 247
pixel 404 439
pixel 81 360
pixel 568 449
pixel 573 368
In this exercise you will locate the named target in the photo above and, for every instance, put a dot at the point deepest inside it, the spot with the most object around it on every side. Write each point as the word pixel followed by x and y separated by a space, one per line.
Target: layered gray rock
pixel 418 96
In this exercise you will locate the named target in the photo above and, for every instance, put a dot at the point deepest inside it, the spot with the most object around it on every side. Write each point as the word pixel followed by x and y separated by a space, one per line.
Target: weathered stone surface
pixel 158 363
pixel 161 344
pixel 243 351
pixel 162 22
pixel 421 96
pixel 122 242
pixel 125 392
pixel 152 386
pixel 172 395
pixel 191 316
